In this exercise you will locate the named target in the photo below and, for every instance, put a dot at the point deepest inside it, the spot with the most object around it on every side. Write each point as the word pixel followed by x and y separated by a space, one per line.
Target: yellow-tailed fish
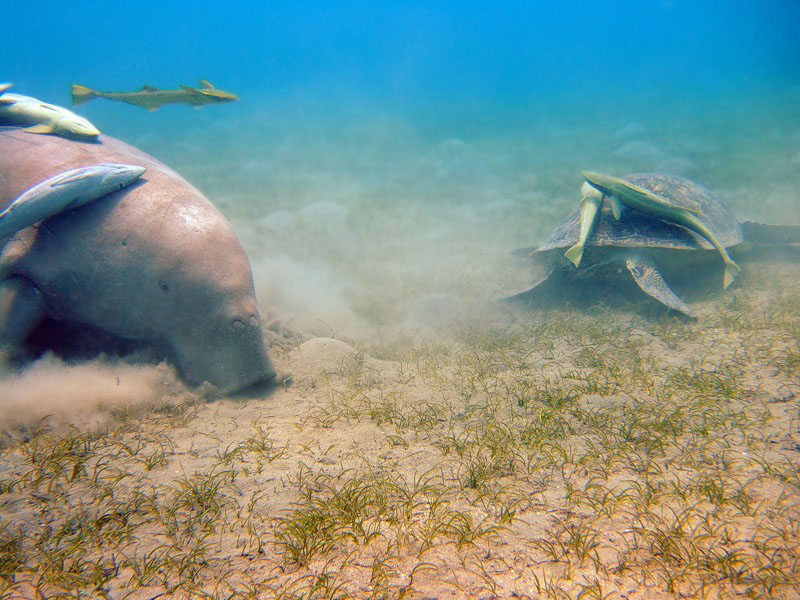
pixel 151 98
pixel 590 205
pixel 40 117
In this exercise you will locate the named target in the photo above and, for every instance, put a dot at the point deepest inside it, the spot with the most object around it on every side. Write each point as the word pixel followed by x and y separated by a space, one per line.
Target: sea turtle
pixel 641 246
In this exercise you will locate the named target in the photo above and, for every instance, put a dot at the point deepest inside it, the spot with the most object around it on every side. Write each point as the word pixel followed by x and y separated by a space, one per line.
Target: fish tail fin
pixel 575 254
pixel 731 271
pixel 81 94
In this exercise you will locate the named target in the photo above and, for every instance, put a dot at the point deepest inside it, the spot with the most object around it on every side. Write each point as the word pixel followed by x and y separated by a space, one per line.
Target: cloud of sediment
pixel 52 393
pixel 381 243
pixel 374 227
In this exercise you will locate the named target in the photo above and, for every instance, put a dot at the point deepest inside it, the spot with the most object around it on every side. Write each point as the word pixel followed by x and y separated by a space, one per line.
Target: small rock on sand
pixel 319 356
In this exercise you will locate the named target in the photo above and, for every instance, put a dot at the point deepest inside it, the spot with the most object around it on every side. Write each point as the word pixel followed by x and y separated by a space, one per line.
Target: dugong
pixel 153 263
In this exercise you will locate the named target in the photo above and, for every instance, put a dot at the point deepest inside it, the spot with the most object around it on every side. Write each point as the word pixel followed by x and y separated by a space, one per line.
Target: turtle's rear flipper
pixel 524 252
pixel 760 233
pixel 539 293
pixel 646 275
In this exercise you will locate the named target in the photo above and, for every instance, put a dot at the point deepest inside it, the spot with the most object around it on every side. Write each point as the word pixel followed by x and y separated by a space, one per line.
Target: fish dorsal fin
pixel 149 88
pixel 4 87
pixel 205 85
pixel 68 178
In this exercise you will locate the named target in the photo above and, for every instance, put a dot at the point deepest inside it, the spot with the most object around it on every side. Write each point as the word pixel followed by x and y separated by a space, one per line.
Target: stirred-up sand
pixel 553 456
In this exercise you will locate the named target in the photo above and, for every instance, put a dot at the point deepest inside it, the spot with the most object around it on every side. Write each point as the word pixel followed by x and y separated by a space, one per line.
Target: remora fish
pixel 40 117
pixel 592 198
pixel 65 191
pixel 151 98
pixel 621 192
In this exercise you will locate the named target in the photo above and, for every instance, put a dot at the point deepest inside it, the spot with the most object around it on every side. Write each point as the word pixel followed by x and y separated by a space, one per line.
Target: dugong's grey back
pixel 155 261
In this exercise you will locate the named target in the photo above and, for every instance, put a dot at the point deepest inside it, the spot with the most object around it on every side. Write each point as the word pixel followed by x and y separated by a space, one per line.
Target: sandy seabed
pixel 428 445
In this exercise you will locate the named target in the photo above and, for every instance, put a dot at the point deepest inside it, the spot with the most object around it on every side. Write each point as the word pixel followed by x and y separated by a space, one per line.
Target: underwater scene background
pixel 382 156
pixel 381 164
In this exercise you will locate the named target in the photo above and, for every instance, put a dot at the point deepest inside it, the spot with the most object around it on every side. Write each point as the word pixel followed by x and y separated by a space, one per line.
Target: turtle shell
pixel 638 230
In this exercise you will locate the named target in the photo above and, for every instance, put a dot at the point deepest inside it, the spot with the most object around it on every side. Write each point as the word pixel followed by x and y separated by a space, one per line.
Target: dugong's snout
pixel 231 354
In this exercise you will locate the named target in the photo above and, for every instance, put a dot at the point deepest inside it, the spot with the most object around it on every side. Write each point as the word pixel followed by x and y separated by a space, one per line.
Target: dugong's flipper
pixel 65 191
pixel 646 275
pixel 21 309
pixel 14 249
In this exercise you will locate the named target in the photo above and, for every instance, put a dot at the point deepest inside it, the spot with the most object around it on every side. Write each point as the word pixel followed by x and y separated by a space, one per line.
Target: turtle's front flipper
pixel 646 275
pixel 21 309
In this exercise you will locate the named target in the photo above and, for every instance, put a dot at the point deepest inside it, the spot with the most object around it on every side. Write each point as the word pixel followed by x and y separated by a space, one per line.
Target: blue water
pixel 386 155
pixel 409 54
